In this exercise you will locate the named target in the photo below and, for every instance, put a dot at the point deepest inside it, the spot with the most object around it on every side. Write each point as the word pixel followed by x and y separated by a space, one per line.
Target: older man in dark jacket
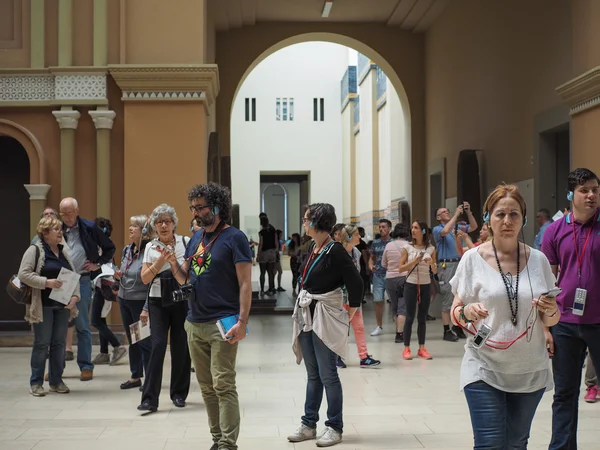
pixel 90 248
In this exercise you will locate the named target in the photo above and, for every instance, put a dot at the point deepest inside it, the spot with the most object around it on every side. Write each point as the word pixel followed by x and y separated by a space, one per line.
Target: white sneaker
pixel 303 433
pixel 377 331
pixel 330 437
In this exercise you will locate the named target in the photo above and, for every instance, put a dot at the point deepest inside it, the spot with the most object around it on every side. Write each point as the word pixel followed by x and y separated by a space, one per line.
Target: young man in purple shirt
pixel 572 244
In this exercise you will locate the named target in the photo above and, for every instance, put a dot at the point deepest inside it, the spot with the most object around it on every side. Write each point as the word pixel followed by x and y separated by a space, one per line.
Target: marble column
pixel 37 203
pixel 103 120
pixel 67 119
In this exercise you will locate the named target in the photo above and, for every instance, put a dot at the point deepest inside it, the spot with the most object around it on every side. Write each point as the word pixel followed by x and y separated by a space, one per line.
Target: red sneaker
pixel 423 353
pixel 591 394
pixel 406 353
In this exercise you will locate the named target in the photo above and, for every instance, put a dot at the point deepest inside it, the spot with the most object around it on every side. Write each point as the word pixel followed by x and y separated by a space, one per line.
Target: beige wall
pixel 157 32
pixel 491 67
pixel 399 53
pixel 14 44
pixel 164 155
pixel 51 33
pixel 83 33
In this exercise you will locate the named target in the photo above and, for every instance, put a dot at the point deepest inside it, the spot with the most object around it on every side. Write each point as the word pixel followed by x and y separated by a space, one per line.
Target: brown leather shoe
pixel 86 375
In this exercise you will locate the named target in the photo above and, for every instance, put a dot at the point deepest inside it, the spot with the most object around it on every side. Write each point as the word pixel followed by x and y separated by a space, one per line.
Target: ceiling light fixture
pixel 327 9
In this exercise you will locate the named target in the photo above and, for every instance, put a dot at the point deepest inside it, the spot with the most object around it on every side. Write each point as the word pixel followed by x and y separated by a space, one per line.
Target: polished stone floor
pixel 402 405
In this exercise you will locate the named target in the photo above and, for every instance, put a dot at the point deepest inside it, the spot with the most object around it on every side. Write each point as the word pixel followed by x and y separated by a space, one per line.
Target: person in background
pixel 294 254
pixel 48 318
pixel 267 255
pixel 464 242
pixel 89 249
pixel 571 245
pixel 47 212
pixel 448 258
pixel 132 295
pixel 320 324
pixel 417 259
pixel 348 236
pixel 278 269
pixel 591 381
pixel 505 378
pixel 99 322
pixel 394 280
pixel 365 274
pixel 544 220
pixel 378 271
pixel 194 226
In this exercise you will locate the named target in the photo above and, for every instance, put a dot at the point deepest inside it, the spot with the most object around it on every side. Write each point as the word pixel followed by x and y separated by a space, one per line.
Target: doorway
pixel 283 198
pixel 554 164
pixel 14 173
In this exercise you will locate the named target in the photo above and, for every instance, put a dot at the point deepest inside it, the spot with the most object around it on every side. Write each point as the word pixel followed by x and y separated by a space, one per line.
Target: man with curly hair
pixel 218 264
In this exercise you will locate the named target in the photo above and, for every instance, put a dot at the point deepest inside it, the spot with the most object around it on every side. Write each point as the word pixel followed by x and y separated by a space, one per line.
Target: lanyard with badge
pixel 580 293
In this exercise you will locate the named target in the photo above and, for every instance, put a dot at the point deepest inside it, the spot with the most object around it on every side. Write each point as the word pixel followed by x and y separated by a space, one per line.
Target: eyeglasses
pixel 198 208
pixel 56 230
pixel 163 222
pixel 305 219
pixel 67 213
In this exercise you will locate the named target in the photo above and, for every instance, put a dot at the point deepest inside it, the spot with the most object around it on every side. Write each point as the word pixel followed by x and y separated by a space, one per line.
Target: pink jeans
pixel 359 332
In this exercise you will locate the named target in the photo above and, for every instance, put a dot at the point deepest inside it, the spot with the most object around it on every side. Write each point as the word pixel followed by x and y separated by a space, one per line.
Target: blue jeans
pixel 570 343
pixel 50 333
pixel 82 325
pixel 322 372
pixel 378 288
pixel 500 420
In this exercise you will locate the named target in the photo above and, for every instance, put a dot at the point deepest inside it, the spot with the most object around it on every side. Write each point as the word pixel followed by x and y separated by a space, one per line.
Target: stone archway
pixel 35 151
pixel 37 187
pixel 400 54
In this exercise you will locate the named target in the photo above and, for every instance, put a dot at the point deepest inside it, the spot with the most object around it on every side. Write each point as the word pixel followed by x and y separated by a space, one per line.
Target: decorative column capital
pixel 67 119
pixel 37 191
pixel 583 92
pixel 103 119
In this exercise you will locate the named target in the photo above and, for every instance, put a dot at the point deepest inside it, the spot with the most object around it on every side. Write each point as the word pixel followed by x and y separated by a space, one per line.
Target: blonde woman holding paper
pixel 49 319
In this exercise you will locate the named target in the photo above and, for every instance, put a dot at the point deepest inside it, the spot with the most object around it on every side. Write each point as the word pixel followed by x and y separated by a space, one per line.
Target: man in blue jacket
pixel 90 248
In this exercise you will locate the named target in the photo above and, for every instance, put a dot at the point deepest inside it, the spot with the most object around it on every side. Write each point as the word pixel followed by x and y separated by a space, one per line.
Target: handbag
pixel 19 291
pixel 109 288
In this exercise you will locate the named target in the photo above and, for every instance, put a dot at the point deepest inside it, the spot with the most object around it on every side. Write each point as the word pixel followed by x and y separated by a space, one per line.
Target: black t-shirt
pixel 333 270
pixel 268 237
pixel 52 266
pixel 362 245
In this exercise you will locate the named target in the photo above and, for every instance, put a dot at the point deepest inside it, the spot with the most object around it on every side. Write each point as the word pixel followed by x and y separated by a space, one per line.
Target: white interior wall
pixel 364 148
pixel 302 71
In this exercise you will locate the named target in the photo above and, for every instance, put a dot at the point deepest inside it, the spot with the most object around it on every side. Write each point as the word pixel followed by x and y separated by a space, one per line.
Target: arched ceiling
pixel 411 15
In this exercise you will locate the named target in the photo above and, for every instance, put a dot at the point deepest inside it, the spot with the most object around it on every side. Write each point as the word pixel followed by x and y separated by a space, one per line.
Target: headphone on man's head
pixel 215 210
pixel 570 196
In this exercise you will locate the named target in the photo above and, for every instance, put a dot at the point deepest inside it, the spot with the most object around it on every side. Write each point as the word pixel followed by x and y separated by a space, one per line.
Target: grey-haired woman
pixel 162 260
pixel 132 295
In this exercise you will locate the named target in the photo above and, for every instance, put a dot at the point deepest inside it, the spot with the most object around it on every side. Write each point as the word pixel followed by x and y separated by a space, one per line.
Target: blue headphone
pixel 104 230
pixel 311 224
pixel 424 231
pixel 570 196
pixel 145 227
pixel 216 210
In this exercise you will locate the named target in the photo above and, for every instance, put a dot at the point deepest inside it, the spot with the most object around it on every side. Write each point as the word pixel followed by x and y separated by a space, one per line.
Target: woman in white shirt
pixel 501 284
pixel 417 259
pixel 163 258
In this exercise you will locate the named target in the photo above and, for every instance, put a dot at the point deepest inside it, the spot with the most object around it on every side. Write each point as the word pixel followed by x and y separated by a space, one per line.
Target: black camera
pixel 183 294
